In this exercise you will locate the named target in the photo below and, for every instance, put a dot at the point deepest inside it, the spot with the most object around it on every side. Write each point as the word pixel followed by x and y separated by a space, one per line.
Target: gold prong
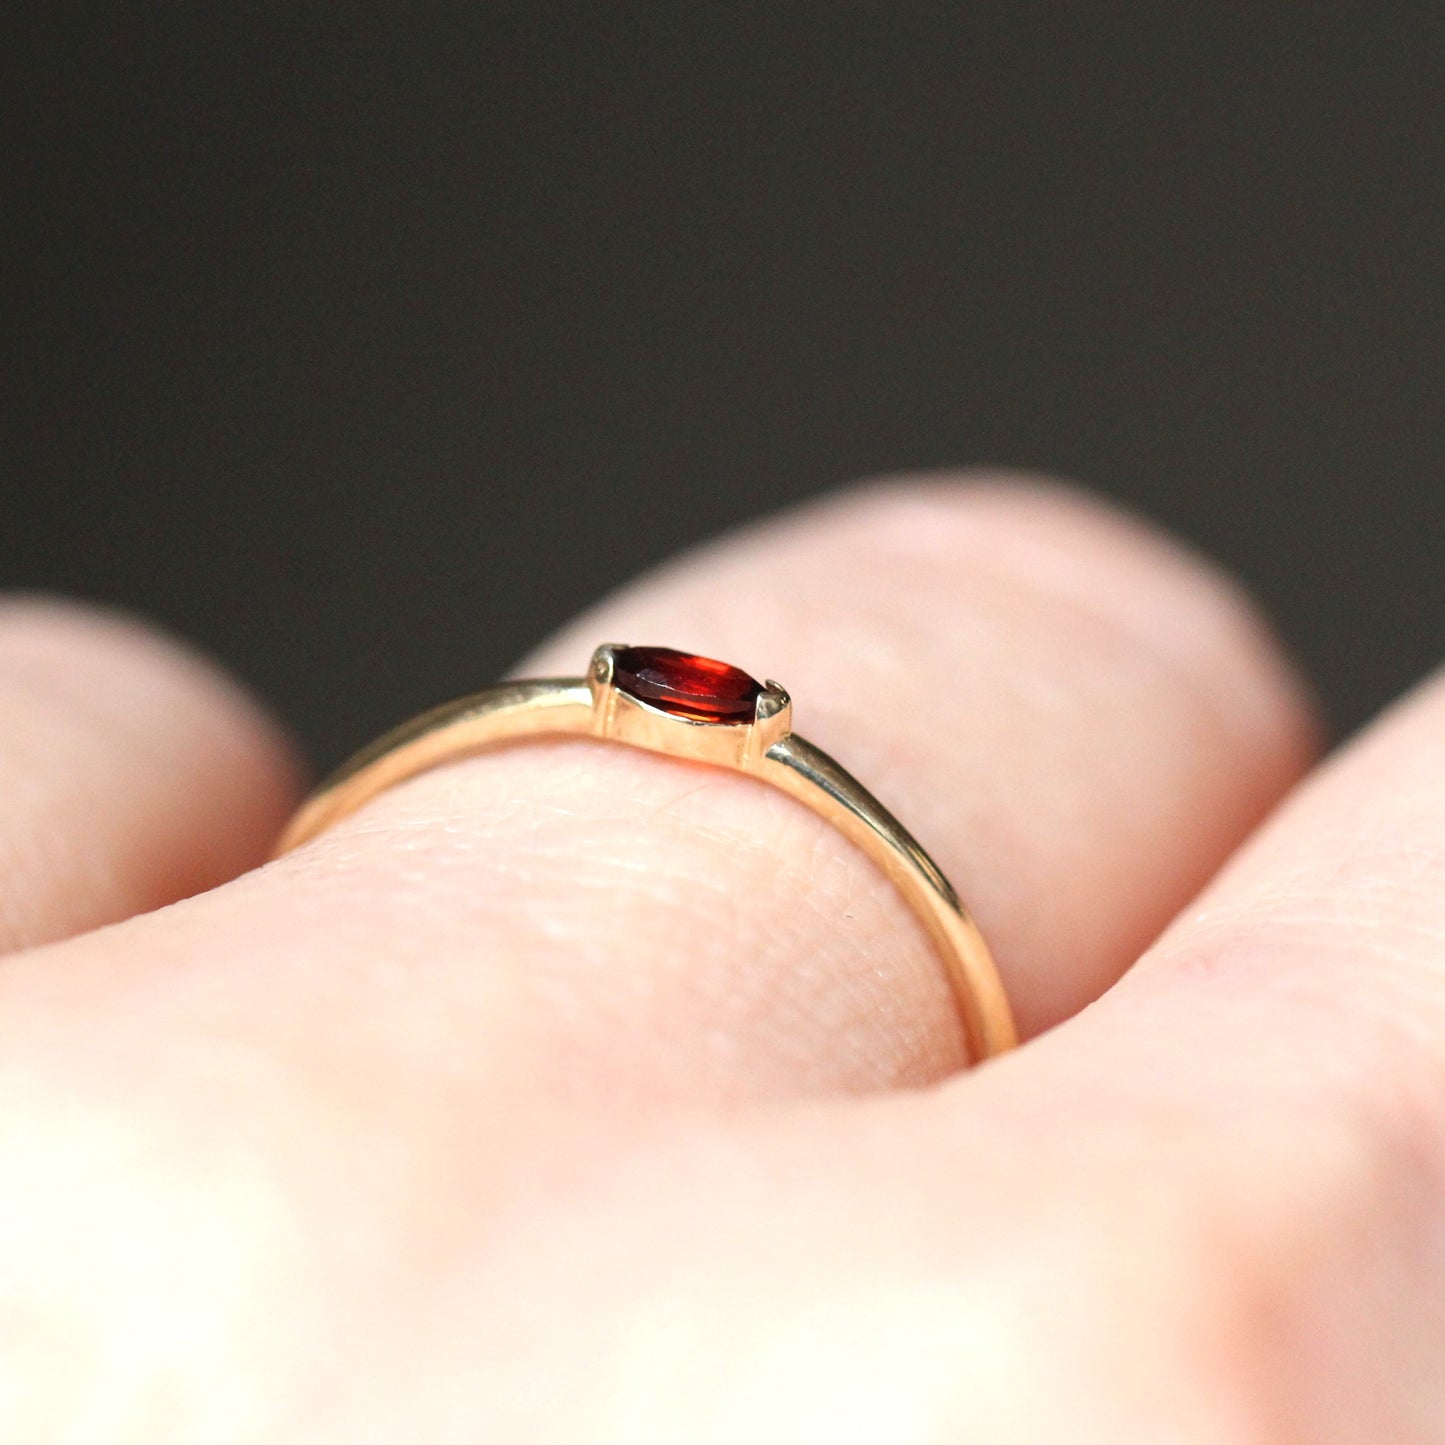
pixel 604 694
pixel 600 670
pixel 772 721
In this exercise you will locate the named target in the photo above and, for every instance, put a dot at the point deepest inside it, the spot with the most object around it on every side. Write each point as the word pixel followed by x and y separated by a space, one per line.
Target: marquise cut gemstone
pixel 685 685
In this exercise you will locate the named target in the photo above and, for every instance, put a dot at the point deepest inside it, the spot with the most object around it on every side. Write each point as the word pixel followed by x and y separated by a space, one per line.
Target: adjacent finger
pixel 132 773
pixel 1314 967
pixel 1268 1087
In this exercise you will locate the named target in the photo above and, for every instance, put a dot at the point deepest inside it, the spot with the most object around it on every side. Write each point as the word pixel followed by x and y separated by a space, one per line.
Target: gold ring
pixel 705 711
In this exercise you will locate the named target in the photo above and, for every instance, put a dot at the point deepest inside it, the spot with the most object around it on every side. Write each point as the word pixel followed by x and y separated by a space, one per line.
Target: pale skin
pixel 573 1093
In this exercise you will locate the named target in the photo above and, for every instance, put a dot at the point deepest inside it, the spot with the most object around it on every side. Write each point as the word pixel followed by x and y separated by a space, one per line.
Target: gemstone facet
pixel 685 685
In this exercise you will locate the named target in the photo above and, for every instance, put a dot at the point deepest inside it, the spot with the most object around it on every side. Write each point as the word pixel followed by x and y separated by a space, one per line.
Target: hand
pixel 579 1094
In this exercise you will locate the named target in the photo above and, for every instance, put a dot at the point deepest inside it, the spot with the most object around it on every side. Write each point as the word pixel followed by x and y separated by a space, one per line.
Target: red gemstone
pixel 685 685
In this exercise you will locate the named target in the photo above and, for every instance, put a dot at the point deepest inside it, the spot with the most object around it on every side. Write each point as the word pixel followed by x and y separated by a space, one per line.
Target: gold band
pixel 764 747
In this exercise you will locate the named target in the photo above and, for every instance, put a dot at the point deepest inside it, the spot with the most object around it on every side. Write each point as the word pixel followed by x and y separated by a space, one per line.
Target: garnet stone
pixel 680 683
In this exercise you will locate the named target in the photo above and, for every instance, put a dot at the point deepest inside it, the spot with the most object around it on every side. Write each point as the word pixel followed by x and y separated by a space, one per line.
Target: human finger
pixel 1077 719
pixel 1208 1208
pixel 366 1091
pixel 1040 684
pixel 1263 1092
pixel 132 772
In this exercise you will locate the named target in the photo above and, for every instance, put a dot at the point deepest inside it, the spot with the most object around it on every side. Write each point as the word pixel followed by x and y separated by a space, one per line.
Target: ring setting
pixel 680 703
pixel 704 711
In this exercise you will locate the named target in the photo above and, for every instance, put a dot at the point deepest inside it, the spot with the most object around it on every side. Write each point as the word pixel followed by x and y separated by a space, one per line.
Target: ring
pixel 708 712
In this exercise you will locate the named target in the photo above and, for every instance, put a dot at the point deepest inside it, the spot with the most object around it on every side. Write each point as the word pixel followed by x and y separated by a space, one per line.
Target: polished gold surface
pixel 766 748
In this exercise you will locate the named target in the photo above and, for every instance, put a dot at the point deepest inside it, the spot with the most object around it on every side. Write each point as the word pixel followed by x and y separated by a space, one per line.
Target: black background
pixel 363 344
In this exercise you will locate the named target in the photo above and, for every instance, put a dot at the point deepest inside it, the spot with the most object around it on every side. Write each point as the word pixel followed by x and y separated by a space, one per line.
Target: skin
pixel 577 1094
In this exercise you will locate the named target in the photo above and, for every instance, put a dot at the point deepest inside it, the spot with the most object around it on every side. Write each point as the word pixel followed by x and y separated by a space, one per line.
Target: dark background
pixel 365 343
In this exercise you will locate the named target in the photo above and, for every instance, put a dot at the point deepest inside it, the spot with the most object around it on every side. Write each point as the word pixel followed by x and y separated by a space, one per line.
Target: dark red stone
pixel 685 685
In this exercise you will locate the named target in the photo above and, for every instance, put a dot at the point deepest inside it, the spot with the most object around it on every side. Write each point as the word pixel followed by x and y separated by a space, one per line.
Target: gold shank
pixel 765 749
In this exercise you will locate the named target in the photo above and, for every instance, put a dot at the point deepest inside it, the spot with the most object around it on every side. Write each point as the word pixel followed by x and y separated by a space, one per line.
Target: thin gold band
pixel 765 748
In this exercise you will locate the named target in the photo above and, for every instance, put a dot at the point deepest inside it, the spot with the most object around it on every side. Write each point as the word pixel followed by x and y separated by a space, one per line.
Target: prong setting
pixel 599 673
pixel 772 721
pixel 604 694
pixel 685 705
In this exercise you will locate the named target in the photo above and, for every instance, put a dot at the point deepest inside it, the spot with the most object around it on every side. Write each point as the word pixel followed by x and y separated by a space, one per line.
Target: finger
pixel 347 1059
pixel 1004 662
pixel 132 773
pixel 1077 719
pixel 1270 1082
pixel 1208 1208
pixel 1320 949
